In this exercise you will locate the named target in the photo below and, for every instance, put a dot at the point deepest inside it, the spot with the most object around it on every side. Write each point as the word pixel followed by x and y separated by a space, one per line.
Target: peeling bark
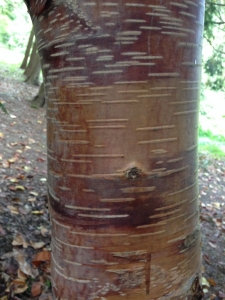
pixel 122 85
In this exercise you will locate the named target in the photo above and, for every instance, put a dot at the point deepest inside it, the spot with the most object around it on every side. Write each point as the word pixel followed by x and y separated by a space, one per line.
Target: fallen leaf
pixel 18 286
pixel 43 179
pixel 13 160
pixel 21 275
pixel 212 245
pixel 5 164
pixel 1 135
pixel 16 200
pixel 27 168
pixel 19 241
pixel 12 188
pixel 31 141
pixel 211 281
pixel 33 193
pixel 37 212
pixel 45 232
pixel 216 205
pixel 20 187
pixel 36 289
pixel 206 258
pixel 40 159
pixel 13 209
pixel 37 245
pixel 19 151
pixel 23 264
pixel 31 199
pixel 43 256
pixel 13 179
pixel 205 282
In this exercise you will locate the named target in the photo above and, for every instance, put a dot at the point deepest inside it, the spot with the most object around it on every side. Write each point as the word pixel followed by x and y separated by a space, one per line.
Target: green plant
pixel 212 149
pixel 3 108
pixel 208 134
pixel 211 143
pixel 48 283
pixel 214 68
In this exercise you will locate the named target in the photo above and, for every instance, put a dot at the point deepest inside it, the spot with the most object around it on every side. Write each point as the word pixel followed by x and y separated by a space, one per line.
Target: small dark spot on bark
pixel 133 173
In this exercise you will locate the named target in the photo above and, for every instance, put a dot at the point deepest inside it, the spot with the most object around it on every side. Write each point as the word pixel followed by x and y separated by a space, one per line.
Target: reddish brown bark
pixel 122 84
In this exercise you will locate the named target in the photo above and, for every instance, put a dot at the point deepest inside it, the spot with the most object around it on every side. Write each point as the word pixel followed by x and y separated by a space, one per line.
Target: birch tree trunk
pixel 122 86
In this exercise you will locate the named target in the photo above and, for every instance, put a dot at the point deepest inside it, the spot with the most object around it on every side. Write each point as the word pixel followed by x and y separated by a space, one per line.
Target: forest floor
pixel 24 220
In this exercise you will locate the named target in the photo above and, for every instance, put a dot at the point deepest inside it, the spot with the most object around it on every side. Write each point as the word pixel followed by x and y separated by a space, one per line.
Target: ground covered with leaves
pixel 24 220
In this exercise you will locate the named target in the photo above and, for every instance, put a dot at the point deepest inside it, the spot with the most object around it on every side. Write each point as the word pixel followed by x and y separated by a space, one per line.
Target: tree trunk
pixel 122 82
pixel 28 49
pixel 39 99
pixel 32 71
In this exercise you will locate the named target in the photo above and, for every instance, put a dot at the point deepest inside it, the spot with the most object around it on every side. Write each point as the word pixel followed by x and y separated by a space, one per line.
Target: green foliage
pixel 214 33
pixel 14 23
pixel 4 32
pixel 213 149
pixel 3 108
pixel 211 143
pixel 214 68
pixel 214 18
pixel 208 134
pixel 211 11
pixel 48 284
pixel 7 9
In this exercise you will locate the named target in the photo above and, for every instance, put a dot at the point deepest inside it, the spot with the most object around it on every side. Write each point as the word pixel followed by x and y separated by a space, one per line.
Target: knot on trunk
pixel 133 173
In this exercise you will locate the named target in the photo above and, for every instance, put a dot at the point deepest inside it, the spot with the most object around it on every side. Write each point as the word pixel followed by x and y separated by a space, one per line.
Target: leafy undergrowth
pixel 24 220
pixel 212 217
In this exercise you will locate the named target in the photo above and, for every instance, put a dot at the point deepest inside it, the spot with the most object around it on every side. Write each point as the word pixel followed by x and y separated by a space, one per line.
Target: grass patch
pixel 212 149
pixel 211 143
pixel 208 134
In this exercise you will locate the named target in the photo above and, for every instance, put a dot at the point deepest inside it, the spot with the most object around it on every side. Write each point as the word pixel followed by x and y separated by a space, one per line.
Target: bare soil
pixel 24 220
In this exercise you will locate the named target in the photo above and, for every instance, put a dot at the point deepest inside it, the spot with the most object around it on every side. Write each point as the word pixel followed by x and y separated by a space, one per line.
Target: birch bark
pixel 122 86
